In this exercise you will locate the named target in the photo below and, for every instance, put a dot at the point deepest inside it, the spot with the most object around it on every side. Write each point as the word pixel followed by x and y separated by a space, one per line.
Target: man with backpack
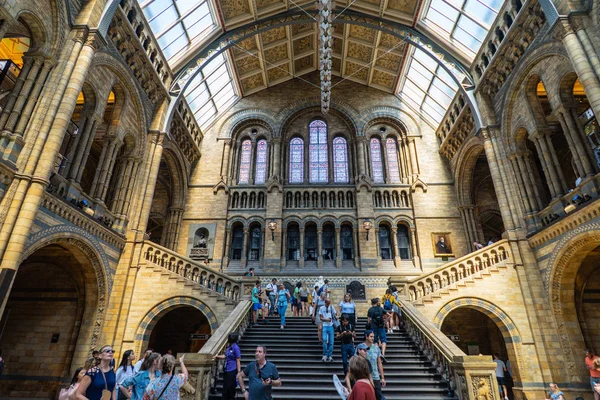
pixel 376 319
pixel 271 294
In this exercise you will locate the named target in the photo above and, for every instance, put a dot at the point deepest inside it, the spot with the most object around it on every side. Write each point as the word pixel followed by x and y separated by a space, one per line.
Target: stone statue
pixel 483 391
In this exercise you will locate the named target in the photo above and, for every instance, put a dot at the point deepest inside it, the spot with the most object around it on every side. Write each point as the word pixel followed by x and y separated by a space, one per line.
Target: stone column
pixel 386 171
pixel 252 166
pixel 175 215
pixel 581 143
pixel 283 257
pixel 582 166
pixel 122 185
pixel 225 259
pixel 24 196
pixel 561 177
pixel 548 165
pixel 225 161
pixel 108 147
pixel 131 186
pixel 338 248
pixel 109 171
pixel 584 38
pixel 524 183
pixel 360 149
pixel 581 63
pixel 355 250
pixel 11 99
pixel 83 148
pixel 414 248
pixel 33 97
pixel 529 175
pixel 244 260
pixel 395 252
pixel 320 247
pixel 412 151
pixel 277 158
pixel 301 261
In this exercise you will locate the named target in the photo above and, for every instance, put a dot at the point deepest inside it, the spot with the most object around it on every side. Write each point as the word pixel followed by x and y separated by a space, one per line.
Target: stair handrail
pixel 202 366
pixel 451 273
pixel 215 281
pixel 463 373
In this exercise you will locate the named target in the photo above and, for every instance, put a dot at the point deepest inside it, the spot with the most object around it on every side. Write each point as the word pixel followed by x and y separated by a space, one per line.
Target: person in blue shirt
pixel 256 303
pixel 262 376
pixel 283 296
pixel 133 388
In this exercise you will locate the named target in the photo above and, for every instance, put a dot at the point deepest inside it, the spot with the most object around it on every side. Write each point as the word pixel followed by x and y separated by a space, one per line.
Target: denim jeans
pixel 347 353
pixel 281 309
pixel 272 304
pixel 328 340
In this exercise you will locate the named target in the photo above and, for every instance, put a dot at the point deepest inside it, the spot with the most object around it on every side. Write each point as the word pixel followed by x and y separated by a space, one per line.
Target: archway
pixel 51 312
pixel 181 330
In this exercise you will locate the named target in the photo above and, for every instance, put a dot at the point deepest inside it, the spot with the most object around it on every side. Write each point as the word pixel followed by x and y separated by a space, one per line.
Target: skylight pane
pixel 465 23
pixel 155 8
pixel 198 21
pixel 186 5
pixel 163 20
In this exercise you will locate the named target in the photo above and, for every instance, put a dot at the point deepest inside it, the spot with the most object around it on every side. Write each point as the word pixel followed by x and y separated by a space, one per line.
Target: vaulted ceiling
pixel 361 54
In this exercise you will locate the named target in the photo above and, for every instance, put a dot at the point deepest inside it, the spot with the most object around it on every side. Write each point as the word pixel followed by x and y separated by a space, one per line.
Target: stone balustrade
pixel 247 198
pixel 202 366
pixel 79 217
pixel 468 377
pixel 392 198
pixel 216 282
pixel 457 271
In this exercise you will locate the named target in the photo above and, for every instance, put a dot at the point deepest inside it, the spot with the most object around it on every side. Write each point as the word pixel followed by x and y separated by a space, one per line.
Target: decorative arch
pixel 382 115
pixel 465 164
pixel 311 218
pixel 561 269
pixel 508 328
pixel 301 108
pixel 404 220
pixel 37 28
pixel 147 323
pixel 178 173
pixel 234 220
pixel 243 118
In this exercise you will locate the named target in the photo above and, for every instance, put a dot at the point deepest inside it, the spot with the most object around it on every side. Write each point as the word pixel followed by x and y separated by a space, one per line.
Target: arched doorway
pixel 181 330
pixel 46 331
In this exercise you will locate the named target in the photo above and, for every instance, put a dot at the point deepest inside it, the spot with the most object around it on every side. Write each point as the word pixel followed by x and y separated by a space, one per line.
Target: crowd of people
pixel 150 378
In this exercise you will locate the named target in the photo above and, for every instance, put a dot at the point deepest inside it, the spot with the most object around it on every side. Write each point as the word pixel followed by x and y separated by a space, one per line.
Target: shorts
pixel 304 299
pixel 500 381
pixel 380 335
pixel 396 309
pixel 256 306
pixel 592 381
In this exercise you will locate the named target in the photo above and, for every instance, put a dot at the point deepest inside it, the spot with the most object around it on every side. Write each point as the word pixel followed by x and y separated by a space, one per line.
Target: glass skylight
pixel 211 91
pixel 428 89
pixel 178 24
pixel 463 22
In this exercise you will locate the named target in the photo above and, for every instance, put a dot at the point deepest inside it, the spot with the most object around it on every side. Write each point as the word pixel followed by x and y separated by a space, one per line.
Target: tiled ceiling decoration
pixel 360 54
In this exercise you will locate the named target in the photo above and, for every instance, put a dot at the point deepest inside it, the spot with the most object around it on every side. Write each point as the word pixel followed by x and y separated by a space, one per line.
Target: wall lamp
pixel 272 227
pixel 367 225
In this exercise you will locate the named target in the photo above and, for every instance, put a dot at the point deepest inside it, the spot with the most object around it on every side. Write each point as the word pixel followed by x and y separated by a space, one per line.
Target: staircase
pixel 297 354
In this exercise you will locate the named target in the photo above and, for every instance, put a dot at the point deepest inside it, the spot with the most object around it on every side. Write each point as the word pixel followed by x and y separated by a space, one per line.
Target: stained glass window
pixel 376 164
pixel 346 242
pixel 255 244
pixel 317 151
pixel 244 177
pixel 384 243
pixel 392 160
pixel 340 160
pixel 403 242
pixel 296 160
pixel 293 242
pixel 261 162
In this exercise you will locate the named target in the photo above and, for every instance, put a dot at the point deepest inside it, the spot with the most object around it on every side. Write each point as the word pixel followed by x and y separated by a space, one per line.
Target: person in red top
pixel 594 367
pixel 363 388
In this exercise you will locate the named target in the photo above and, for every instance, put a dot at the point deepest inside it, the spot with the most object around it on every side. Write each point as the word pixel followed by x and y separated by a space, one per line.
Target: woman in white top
pixel 125 371
pixel 347 306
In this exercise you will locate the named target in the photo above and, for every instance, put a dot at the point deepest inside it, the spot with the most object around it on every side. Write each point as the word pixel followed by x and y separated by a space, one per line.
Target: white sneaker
pixel 324 359
pixel 329 359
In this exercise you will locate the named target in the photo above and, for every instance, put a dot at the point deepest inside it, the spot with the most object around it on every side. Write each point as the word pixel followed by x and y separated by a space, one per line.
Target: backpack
pixel 320 290
pixel 388 304
pixel 378 319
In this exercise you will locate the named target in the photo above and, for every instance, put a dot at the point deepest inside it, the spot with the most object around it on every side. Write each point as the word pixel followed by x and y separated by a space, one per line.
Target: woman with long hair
pixel 68 393
pixel 232 366
pixel 296 300
pixel 347 306
pixel 134 387
pixel 303 299
pixel 283 297
pixel 125 371
pixel 99 382
pixel 555 393
pixel 167 386
pixel 363 386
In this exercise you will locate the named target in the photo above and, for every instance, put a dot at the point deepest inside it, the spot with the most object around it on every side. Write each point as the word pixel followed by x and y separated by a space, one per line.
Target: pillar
pixel 301 261
pixel 225 259
pixel 395 252
pixel 225 161
pixel 549 167
pixel 338 248
pixel 360 148
pixel 386 171
pixel 584 38
pixel 283 257
pixel 355 250
pixel 320 247
pixel 277 159
pixel 580 143
pixel 414 248
pixel 110 170
pixel 244 260
pixel 81 157
pixel 123 186
pixel 24 196
pixel 582 165
pixel 581 63
pixel 19 84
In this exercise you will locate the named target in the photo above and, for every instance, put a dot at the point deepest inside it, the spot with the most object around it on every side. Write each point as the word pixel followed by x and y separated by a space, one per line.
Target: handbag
pixel 106 394
pixel 334 321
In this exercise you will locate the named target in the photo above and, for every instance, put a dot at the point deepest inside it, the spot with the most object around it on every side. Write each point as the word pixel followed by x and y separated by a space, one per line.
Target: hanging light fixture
pixel 325 22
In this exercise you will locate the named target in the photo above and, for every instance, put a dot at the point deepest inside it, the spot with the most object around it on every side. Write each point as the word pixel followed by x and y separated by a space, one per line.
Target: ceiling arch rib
pixel 452 67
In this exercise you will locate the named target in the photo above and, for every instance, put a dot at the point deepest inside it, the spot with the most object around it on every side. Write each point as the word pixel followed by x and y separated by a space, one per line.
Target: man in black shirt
pixel 377 317
pixel 346 334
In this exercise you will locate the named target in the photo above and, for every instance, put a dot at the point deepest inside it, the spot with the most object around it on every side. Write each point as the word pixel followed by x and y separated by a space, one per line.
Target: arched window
pixel 328 243
pixel 317 151
pixel 244 177
pixel 376 164
pixel 293 242
pixel 296 160
pixel 237 242
pixel 392 160
pixel 310 243
pixel 255 244
pixel 385 250
pixel 260 176
pixel 340 160
pixel 403 240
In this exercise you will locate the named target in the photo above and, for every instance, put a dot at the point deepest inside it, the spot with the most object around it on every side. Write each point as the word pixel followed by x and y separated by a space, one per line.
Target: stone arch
pixel 147 323
pixel 404 220
pixel 465 164
pixel 297 109
pixel 232 221
pixel 508 328
pixel 37 28
pixel 97 280
pixel 381 115
pixel 178 171
pixel 559 275
pixel 243 118
pixel 311 218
